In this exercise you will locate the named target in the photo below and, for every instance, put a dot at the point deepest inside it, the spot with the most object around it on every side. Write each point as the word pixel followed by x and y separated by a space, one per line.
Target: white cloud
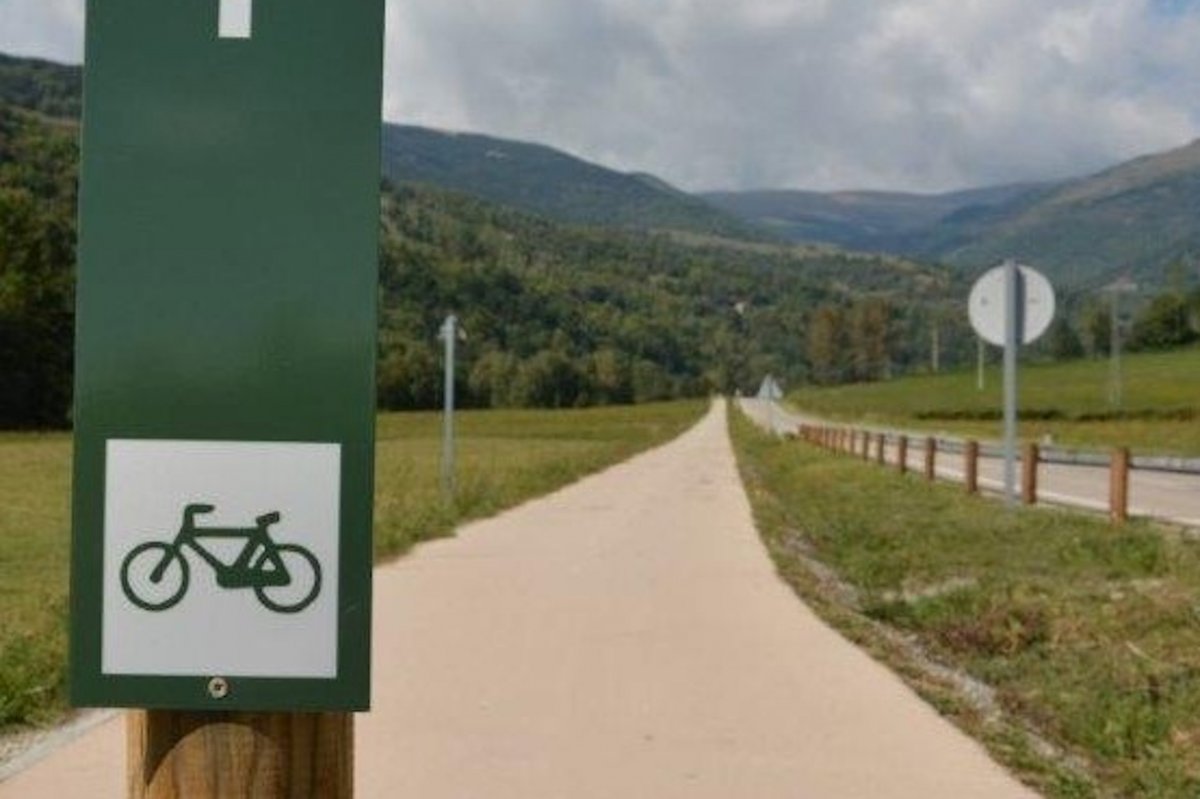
pixel 44 28
pixel 916 94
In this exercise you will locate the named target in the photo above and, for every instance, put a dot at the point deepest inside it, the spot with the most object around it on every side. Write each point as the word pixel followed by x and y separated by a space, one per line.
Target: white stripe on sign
pixel 234 19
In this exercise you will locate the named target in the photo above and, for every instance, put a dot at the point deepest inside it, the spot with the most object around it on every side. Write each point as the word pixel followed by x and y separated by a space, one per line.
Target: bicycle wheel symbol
pixel 305 580
pixel 154 576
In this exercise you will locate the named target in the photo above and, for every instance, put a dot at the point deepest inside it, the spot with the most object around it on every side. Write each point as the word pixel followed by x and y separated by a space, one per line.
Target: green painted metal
pixel 227 281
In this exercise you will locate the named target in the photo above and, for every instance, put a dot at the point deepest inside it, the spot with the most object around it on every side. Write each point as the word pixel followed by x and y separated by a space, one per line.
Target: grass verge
pixel 1067 401
pixel 1070 648
pixel 504 458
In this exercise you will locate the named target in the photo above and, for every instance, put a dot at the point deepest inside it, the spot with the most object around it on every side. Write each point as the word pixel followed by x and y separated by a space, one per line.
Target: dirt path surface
pixel 1167 496
pixel 624 637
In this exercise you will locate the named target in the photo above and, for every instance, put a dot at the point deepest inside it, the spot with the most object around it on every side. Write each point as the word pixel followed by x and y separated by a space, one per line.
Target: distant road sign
pixel 770 389
pixel 987 310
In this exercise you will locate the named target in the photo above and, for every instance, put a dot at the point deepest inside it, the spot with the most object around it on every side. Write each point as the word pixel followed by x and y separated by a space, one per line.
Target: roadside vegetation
pixel 1068 401
pixel 1080 640
pixel 504 458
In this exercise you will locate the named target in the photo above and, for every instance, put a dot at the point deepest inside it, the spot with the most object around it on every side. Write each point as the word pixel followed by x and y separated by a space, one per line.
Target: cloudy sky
pixel 824 94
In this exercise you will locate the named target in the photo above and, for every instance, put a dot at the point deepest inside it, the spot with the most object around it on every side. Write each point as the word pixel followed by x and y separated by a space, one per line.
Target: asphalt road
pixel 1165 496
pixel 625 637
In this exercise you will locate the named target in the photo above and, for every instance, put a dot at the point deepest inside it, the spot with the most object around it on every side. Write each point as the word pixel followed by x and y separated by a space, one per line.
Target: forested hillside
pixel 42 86
pixel 555 314
pixel 559 316
pixel 37 254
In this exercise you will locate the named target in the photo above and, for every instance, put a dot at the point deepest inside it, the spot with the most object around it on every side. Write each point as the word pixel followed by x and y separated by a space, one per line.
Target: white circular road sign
pixel 986 305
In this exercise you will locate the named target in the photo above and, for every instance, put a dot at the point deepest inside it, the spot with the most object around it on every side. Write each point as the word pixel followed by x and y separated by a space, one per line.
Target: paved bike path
pixel 626 636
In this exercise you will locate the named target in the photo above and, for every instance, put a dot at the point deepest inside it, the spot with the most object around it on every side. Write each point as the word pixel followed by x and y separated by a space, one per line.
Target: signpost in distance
pixel 1009 306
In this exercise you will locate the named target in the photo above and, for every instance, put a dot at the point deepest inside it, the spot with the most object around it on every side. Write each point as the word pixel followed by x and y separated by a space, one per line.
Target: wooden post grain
pixel 1118 492
pixel 902 454
pixel 971 467
pixel 1029 474
pixel 931 458
pixel 192 755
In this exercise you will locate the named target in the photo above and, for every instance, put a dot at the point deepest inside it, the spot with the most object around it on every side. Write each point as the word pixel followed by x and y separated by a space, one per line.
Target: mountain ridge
pixel 1138 217
pixel 547 181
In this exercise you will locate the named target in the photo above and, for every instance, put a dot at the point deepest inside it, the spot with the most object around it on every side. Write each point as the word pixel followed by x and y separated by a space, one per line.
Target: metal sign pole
pixel 981 380
pixel 1115 380
pixel 449 335
pixel 1014 329
pixel 1010 306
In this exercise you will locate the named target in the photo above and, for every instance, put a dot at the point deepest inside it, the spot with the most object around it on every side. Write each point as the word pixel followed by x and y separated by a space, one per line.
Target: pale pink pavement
pixel 624 637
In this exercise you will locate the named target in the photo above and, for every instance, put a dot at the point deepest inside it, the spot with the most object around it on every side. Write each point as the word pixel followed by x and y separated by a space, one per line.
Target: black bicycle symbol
pixel 285 577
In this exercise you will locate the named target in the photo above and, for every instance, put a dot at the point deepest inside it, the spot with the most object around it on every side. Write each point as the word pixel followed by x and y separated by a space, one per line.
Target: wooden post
pixel 193 755
pixel 931 458
pixel 866 445
pixel 971 467
pixel 1118 492
pixel 902 454
pixel 852 445
pixel 1029 474
pixel 881 449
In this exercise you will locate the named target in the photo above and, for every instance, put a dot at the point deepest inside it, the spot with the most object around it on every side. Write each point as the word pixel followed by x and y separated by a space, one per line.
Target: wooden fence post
pixel 931 458
pixel 866 445
pixel 902 454
pixel 194 755
pixel 881 449
pixel 1029 474
pixel 1118 492
pixel 971 467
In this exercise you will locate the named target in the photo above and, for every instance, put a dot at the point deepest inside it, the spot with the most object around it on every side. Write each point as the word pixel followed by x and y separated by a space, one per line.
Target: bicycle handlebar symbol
pixel 286 578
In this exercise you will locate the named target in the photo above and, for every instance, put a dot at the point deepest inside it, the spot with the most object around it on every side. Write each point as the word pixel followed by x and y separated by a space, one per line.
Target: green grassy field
pixel 1160 411
pixel 504 457
pixel 1089 635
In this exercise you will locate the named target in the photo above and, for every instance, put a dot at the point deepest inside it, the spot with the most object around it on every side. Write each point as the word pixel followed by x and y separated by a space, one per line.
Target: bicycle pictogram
pixel 286 578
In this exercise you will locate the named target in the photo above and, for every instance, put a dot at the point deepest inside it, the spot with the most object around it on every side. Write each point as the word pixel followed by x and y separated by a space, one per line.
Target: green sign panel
pixel 225 361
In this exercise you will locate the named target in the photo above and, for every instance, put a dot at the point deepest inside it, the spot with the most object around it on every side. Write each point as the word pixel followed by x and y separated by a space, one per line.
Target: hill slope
pixel 863 220
pixel 1138 216
pixel 42 86
pixel 545 181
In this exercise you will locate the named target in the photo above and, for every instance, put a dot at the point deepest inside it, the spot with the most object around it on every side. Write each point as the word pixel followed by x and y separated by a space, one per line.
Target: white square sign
pixel 221 559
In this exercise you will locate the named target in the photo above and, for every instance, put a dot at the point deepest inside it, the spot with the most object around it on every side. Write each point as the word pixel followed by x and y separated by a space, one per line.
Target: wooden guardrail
pixel 862 442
